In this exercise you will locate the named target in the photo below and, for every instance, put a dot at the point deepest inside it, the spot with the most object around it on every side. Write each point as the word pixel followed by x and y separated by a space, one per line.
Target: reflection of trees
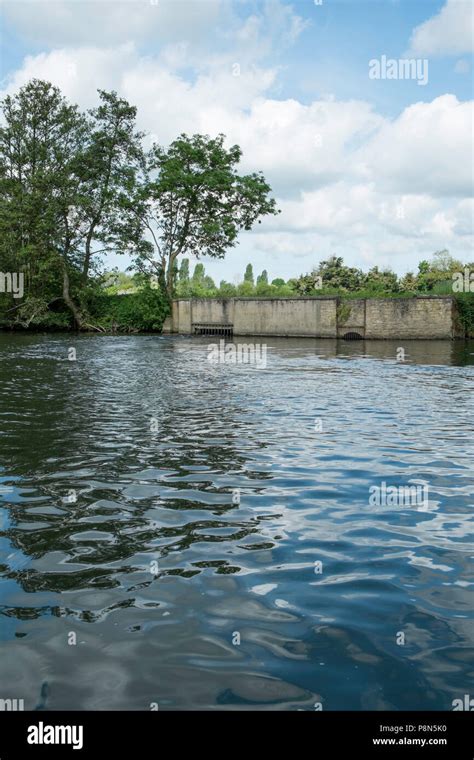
pixel 124 545
pixel 444 352
pixel 75 424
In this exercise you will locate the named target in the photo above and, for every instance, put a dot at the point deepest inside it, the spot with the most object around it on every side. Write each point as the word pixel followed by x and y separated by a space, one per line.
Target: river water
pixel 132 578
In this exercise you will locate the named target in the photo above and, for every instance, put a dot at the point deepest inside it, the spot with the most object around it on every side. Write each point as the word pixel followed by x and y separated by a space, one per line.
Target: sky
pixel 368 159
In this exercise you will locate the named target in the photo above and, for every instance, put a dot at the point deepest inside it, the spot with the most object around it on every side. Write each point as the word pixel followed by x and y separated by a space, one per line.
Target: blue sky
pixel 377 171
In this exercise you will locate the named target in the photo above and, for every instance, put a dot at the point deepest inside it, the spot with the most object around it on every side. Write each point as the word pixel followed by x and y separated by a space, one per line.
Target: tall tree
pixel 39 139
pixel 184 272
pixel 109 166
pixel 63 177
pixel 193 201
pixel 198 275
pixel 248 276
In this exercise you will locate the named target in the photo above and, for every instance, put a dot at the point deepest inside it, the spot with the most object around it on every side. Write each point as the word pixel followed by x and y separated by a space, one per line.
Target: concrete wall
pixel 323 317
pixel 410 318
pixel 286 317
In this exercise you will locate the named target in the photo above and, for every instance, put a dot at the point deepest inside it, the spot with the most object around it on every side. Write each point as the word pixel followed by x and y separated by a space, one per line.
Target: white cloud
pixel 108 22
pixel 428 149
pixel 450 32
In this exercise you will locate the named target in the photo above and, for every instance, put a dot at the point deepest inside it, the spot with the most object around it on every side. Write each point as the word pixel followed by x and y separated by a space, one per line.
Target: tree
pixel 409 283
pixel 248 276
pixel 335 274
pixel 226 289
pixel 62 177
pixel 184 272
pixel 443 262
pixel 381 281
pixel 262 279
pixel 183 287
pixel 40 134
pixel 198 275
pixel 191 200
pixel 109 167
pixel 306 283
pixel 209 284
pixel 246 288
pixel 436 275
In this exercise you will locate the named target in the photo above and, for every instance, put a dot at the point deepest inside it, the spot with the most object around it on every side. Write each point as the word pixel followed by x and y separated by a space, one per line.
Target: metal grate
pixel 225 330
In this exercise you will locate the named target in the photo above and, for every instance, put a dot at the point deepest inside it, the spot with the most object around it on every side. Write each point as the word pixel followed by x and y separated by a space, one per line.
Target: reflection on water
pixel 123 536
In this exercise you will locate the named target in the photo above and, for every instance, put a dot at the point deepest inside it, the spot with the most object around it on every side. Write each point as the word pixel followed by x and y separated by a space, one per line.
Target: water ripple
pixel 130 575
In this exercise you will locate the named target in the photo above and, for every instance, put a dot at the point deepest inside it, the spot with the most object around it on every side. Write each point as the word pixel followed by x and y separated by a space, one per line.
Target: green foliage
pixel 143 311
pixel 184 272
pixel 62 176
pixel 116 282
pixel 34 313
pixel 183 286
pixel 408 282
pixel 265 289
pixel 380 281
pixel 227 290
pixel 307 284
pixel 331 275
pixel 193 201
pixel 248 276
pixel 335 274
pixel 198 275
pixel 435 276
pixel 343 312
pixel 246 289
pixel 284 291
pixel 465 304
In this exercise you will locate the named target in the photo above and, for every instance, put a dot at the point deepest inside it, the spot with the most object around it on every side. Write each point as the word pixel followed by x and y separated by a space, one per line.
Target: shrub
pixel 465 304
pixel 143 311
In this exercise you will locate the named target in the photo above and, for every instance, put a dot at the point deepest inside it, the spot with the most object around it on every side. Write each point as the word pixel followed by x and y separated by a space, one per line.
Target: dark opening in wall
pixel 352 336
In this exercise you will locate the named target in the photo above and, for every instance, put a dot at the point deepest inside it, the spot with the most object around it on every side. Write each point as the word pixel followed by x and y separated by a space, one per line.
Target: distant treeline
pixel 330 277
pixel 442 275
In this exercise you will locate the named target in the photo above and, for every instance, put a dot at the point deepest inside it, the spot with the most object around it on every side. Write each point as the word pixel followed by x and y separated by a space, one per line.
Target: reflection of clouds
pixel 239 609
pixel 417 559
pixel 263 588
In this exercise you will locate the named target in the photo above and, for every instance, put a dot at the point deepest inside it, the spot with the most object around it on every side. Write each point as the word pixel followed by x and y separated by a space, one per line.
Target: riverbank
pixel 148 311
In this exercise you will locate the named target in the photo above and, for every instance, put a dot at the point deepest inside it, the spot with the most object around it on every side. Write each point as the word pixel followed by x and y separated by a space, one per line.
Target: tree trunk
pixel 169 281
pixel 169 286
pixel 69 301
pixel 87 257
